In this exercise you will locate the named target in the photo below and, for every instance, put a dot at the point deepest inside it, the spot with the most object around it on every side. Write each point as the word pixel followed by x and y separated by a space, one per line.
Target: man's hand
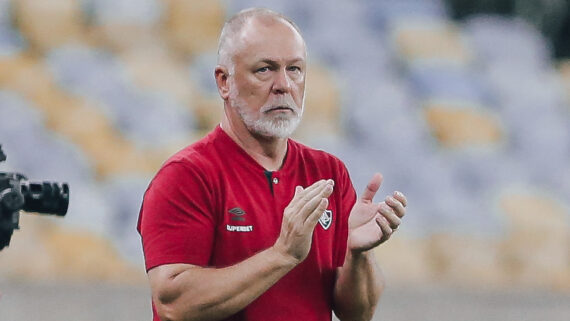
pixel 371 224
pixel 300 218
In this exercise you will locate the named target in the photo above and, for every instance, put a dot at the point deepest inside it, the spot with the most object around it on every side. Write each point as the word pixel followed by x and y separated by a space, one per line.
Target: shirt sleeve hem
pixel 150 264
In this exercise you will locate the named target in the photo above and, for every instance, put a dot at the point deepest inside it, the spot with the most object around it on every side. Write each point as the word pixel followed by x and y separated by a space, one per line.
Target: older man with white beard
pixel 248 224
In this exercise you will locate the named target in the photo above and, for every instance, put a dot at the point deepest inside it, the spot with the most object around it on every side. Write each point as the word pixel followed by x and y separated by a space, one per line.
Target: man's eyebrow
pixel 269 61
pixel 274 62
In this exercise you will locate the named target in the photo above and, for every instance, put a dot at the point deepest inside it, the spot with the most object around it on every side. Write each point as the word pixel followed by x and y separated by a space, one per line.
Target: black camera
pixel 17 193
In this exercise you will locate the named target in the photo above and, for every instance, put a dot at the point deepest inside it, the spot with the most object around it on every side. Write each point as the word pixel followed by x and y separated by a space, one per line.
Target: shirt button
pixel 275 180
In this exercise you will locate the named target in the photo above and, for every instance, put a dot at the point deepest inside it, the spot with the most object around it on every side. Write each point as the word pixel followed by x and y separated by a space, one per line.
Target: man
pixel 247 224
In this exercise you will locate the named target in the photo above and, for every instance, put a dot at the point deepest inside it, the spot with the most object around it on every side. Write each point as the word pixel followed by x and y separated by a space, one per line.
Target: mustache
pixel 281 102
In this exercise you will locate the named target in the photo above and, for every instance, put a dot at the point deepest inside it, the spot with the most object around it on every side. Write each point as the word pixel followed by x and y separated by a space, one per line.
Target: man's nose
pixel 281 82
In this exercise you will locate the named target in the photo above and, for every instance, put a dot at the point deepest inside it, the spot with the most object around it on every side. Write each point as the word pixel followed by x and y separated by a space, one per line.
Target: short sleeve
pixel 347 200
pixel 176 220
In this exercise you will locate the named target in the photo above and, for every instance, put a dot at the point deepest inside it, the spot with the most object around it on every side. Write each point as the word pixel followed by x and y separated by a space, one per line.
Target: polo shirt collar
pixel 236 154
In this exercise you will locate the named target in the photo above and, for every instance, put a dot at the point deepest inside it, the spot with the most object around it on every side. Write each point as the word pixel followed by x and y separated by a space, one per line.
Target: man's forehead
pixel 270 33
pixel 257 23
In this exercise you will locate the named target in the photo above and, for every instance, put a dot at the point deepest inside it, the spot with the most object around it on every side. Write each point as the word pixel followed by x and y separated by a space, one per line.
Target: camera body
pixel 18 193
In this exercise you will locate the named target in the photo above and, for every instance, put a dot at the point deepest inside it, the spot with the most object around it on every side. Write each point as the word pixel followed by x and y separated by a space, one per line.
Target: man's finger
pixel 311 190
pixel 314 217
pixel 316 189
pixel 390 215
pixel 372 187
pixel 396 205
pixel 303 196
pixel 294 204
pixel 401 197
pixel 384 227
pixel 298 190
pixel 309 208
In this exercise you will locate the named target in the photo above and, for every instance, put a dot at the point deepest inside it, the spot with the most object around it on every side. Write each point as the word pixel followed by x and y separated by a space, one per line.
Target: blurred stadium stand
pixel 470 118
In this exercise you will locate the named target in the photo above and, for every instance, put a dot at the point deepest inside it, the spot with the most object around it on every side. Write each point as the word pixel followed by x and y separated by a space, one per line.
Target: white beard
pixel 280 125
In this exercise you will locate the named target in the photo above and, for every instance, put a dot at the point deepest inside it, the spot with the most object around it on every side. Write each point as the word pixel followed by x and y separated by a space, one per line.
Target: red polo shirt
pixel 212 205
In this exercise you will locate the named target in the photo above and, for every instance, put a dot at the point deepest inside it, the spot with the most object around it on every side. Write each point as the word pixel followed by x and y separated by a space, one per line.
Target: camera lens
pixel 45 197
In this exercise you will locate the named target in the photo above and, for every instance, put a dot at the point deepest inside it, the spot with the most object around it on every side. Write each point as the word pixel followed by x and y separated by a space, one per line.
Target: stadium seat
pixel 532 256
pixel 101 141
pixel 11 42
pixel 103 79
pixel 158 70
pixel 404 261
pixel 449 83
pixel 63 253
pixel 140 13
pixel 347 45
pixel 124 24
pixel 192 26
pixel 383 13
pixel 124 193
pixel 457 127
pixel 471 260
pixel 322 106
pixel 88 72
pixel 507 42
pixel 27 140
pixel 420 40
pixel 48 24
pixel 153 120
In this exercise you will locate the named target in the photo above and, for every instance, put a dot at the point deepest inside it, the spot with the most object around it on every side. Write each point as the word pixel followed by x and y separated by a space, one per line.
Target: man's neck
pixel 267 152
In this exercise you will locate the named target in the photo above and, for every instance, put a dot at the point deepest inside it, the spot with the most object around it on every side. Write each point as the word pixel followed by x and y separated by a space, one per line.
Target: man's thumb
pixel 372 187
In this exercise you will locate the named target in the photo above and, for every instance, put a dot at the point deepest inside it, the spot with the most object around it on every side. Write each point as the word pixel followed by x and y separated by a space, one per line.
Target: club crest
pixel 326 219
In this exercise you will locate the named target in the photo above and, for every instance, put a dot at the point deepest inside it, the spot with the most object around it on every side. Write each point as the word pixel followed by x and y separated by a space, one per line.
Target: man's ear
pixel 221 74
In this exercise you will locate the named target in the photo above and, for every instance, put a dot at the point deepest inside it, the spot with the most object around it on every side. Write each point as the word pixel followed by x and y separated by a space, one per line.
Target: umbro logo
pixel 326 219
pixel 237 214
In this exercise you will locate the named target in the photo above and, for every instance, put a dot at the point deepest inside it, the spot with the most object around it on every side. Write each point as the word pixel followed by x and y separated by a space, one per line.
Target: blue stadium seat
pixel 151 119
pixel 507 42
pixel 36 151
pixel 89 73
pixel 124 12
pixel 449 83
pixel 11 43
pixel 201 71
pixel 148 118
pixel 124 196
pixel 383 13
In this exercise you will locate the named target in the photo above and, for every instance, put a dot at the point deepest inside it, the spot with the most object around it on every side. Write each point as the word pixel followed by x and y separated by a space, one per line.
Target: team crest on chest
pixel 326 219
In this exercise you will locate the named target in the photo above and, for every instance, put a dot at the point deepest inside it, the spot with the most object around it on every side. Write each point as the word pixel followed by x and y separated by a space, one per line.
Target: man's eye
pixel 262 69
pixel 294 68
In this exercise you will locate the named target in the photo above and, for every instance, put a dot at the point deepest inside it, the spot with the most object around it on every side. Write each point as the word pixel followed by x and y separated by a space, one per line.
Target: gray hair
pixel 234 26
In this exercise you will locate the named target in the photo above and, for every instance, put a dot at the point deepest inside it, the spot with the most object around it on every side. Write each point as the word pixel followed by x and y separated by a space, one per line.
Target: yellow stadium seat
pixel 439 42
pixel 208 112
pixel 322 104
pixel 79 120
pixel 120 36
pixel 193 26
pixel 455 126
pixel 536 251
pixel 47 24
pixel 44 251
pixel 405 260
pixel 465 260
pixel 25 75
pixel 157 69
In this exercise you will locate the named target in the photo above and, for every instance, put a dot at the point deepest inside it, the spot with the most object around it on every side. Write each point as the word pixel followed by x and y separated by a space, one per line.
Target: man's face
pixel 267 86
